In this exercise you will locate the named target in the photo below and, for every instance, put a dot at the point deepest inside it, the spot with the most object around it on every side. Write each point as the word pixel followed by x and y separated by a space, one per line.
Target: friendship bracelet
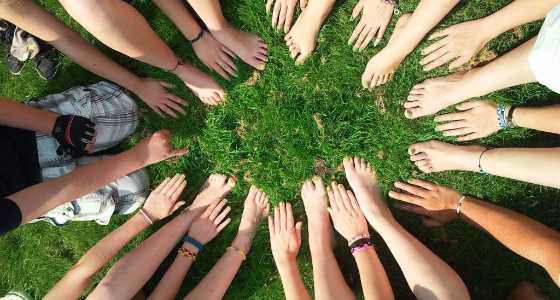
pixel 241 252
pixel 142 212
pixel 505 116
pixel 189 240
pixel 361 236
pixel 357 250
pixel 186 253
pixel 480 170
pixel 198 37
pixel 460 205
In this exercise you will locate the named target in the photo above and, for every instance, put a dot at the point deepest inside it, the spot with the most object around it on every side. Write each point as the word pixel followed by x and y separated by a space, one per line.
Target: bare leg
pixel 534 165
pixel 118 25
pixel 247 46
pixel 329 282
pixel 433 95
pixel 217 281
pixel 427 15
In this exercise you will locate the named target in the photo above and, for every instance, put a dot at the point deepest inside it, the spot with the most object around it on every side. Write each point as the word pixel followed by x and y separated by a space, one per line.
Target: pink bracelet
pixel 359 249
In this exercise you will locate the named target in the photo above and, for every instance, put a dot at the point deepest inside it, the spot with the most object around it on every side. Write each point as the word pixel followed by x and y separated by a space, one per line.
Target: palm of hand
pixel 285 245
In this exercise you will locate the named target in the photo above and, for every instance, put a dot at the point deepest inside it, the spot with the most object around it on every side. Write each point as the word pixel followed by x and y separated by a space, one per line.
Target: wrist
pixel 379 224
pixel 492 27
pixel 285 262
pixel 191 248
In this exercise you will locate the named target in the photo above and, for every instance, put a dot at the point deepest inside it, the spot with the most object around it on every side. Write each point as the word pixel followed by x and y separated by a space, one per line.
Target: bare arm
pixel 78 278
pixel 524 236
pixel 538 118
pixel 37 200
pixel 375 283
pixel 17 115
pixel 157 206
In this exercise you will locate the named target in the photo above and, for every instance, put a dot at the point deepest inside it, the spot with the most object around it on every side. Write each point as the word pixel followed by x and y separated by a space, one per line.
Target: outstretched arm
pixel 526 237
pixel 285 242
pixel 538 118
pixel 35 20
pixel 37 200
pixel 17 115
pixel 157 206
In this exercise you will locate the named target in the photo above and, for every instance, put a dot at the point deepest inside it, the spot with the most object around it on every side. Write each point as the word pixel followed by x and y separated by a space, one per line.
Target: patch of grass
pixel 285 125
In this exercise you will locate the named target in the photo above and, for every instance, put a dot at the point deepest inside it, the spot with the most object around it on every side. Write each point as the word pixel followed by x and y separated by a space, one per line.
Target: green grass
pixel 267 135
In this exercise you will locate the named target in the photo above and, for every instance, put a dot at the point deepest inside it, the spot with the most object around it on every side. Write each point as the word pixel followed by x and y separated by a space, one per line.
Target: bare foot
pixel 363 181
pixel 202 85
pixel 247 46
pixel 526 290
pixel 216 187
pixel 255 210
pixel 433 95
pixel 302 38
pixel 382 66
pixel 435 156
pixel 314 196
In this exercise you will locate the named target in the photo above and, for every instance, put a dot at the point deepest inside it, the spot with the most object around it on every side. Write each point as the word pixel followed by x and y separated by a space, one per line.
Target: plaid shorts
pixel 115 116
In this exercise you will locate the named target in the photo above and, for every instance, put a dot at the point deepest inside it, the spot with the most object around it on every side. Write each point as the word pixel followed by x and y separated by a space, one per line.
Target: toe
pixel 317 181
pixel 348 163
pixel 232 181
pixel 413 113
pixel 418 157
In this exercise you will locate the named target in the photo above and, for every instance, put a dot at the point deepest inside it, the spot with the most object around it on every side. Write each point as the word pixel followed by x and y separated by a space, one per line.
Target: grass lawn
pixel 284 125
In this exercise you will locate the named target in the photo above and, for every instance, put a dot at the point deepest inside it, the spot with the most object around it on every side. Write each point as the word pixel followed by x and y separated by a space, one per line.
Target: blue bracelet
pixel 195 243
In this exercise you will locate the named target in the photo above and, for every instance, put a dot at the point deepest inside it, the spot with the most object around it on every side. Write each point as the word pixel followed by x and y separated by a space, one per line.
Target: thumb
pixel 299 225
pixel 178 205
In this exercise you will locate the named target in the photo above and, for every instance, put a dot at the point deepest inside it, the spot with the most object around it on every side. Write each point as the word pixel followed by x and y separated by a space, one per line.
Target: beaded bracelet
pixel 359 249
pixel 186 253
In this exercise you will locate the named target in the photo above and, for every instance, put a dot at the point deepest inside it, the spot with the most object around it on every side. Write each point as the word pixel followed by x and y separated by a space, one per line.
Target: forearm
pixel 534 165
pixel 420 266
pixel 294 289
pixel 78 278
pixel 524 236
pixel 178 13
pixel 132 271
pixel 425 17
pixel 169 285
pixel 375 283
pixel 17 115
pixel 538 118
pixel 35 20
pixel 38 199
pixel 517 13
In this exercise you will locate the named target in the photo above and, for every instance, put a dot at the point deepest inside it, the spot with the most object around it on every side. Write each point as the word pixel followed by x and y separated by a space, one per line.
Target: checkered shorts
pixel 115 116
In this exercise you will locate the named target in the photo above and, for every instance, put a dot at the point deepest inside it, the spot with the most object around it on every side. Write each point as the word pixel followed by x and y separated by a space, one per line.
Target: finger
pixel 424 184
pixel 176 99
pixel 406 198
pixel 275 14
pixel 461 60
pixel 439 34
pixel 177 193
pixel 359 28
pixel 156 109
pixel 216 211
pixel 459 131
pixel 289 18
pixel 337 196
pixel 277 225
pixel 223 225
pixel 451 125
pixel 361 38
pixel 219 218
pixel 165 190
pixel 178 205
pixel 166 85
pixel 289 216
pixel 471 136
pixel 282 17
pixel 415 209
pixel 434 56
pixel 469 105
pixel 210 208
pixel 353 201
pixel 380 34
pixel 344 197
pixel 332 201
pixel 450 117
pixel 229 65
pixel 161 185
pixel 420 192
pixel 269 5
pixel 175 107
pixel 282 216
pixel 228 52
pixel 440 61
pixel 302 4
pixel 357 9
pixel 176 185
pixel 167 110
pixel 434 47
pixel 368 39
pixel 299 225
pixel 220 70
pixel 271 227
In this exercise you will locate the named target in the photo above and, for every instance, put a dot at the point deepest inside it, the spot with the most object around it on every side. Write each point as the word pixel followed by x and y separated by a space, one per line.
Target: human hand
pixel 376 15
pixel 212 221
pixel 283 12
pixel 156 148
pixel 431 197
pixel 215 55
pixel 430 218
pixel 458 43
pixel 345 212
pixel 154 93
pixel 162 201
pixel 285 237
pixel 475 120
